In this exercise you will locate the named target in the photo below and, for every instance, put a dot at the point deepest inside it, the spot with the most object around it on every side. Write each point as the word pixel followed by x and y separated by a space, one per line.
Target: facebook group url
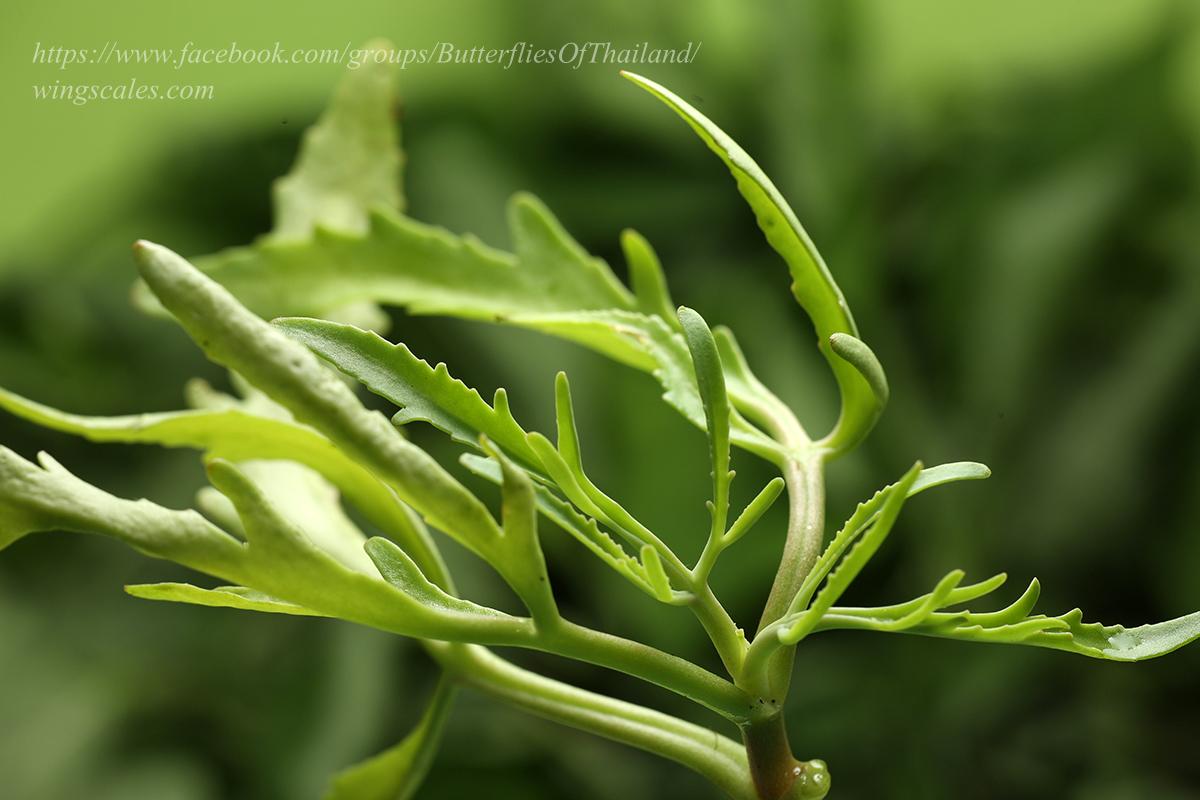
pixel 570 54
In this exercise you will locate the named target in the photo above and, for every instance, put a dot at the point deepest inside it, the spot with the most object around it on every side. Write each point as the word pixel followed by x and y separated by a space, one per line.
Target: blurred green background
pixel 1008 194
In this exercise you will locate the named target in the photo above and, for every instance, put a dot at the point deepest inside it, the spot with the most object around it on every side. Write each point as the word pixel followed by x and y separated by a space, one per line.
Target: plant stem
pixel 806 530
pixel 717 758
pixel 773 768
pixel 649 664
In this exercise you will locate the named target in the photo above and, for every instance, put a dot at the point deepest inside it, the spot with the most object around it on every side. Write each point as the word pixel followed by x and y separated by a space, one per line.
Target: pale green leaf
pixel 349 161
pixel 226 429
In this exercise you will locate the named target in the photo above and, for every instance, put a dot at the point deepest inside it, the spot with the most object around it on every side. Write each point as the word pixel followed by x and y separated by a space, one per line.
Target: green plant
pixel 302 442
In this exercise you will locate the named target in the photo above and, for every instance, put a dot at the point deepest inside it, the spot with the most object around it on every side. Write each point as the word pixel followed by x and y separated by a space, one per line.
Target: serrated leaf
pixel 238 597
pixel 397 773
pixel 424 393
pixel 868 511
pixel 799 623
pixel 424 268
pixel 1015 625
pixel 812 284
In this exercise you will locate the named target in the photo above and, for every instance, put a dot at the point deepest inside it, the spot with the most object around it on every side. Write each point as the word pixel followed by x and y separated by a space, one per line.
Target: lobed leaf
pixel 240 431
pixel 1016 624
pixel 349 161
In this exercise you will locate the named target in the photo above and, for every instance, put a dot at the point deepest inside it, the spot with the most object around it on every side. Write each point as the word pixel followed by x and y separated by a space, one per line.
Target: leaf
pixel 424 393
pixel 581 527
pixel 799 623
pixel 41 498
pixel 868 511
pixel 710 378
pixel 655 575
pixel 812 284
pixel 221 597
pixel 754 510
pixel 349 161
pixel 397 773
pixel 292 376
pixel 949 473
pixel 400 571
pixel 1016 624
pixel 646 276
pixel 424 268
pixel 856 353
pixel 522 564
pixel 226 429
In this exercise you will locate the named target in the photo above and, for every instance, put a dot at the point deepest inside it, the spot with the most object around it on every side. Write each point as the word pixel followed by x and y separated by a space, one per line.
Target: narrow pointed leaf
pixel 710 378
pixel 812 284
pixel 754 510
pixel 582 528
pixel 646 276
